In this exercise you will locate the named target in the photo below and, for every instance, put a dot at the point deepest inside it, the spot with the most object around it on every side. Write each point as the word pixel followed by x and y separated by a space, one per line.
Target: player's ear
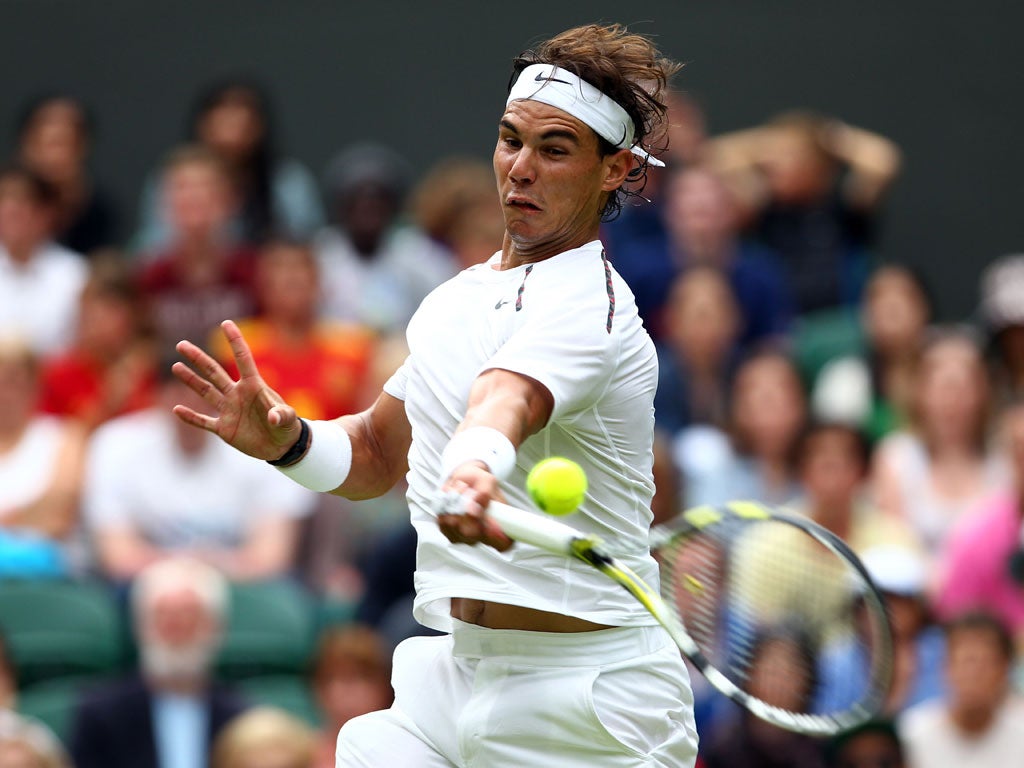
pixel 617 167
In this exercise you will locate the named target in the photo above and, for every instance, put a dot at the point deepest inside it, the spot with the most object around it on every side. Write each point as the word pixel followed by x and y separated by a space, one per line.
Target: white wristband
pixel 484 444
pixel 328 460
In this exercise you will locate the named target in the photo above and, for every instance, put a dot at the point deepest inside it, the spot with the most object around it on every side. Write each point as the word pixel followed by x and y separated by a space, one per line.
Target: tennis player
pixel 538 352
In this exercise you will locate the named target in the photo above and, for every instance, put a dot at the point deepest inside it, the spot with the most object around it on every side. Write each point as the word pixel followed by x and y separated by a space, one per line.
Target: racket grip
pixel 530 528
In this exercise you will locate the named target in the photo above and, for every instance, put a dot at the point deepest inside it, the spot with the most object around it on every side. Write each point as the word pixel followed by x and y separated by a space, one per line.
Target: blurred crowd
pixel 795 368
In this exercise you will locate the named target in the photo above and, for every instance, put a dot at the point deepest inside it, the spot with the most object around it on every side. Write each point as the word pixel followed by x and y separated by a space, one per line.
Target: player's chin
pixel 527 230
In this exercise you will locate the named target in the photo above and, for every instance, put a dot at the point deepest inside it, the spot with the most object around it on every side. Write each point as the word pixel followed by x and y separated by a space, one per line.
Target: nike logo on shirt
pixel 501 303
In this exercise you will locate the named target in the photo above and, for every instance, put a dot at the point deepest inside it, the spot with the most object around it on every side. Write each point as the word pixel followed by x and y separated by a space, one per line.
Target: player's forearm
pixel 515 405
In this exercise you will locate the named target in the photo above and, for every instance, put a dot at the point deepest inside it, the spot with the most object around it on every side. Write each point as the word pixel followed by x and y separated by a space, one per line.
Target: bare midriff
pixel 502 616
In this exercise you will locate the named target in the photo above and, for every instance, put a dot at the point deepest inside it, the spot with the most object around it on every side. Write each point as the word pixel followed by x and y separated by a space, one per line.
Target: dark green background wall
pixel 943 78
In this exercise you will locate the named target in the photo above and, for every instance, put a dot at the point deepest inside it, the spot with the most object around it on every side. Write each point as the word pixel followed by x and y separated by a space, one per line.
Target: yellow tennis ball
pixel 557 485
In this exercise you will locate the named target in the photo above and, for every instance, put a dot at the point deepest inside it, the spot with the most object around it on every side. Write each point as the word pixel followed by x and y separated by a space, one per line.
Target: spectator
pixel 456 205
pixel 319 366
pixel 687 129
pixel 875 744
pixel 833 461
pixel 170 714
pixel 637 239
pixel 1002 313
pixel 201 278
pixel 25 743
pixel 768 411
pixel 932 474
pixel 155 487
pixel 978 722
pixel 54 140
pixel 276 196
pixel 698 354
pixel 899 572
pixel 874 391
pixel 782 674
pixel 351 676
pixel 699 227
pixel 40 281
pixel 375 271
pixel 810 187
pixel 109 368
pixel 265 738
pixel 983 566
pixel 41 460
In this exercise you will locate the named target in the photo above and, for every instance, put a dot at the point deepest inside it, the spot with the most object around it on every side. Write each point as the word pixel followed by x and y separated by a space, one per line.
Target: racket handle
pixel 531 528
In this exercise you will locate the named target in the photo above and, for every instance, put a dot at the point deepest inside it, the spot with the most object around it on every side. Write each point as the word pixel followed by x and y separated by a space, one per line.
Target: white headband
pixel 562 89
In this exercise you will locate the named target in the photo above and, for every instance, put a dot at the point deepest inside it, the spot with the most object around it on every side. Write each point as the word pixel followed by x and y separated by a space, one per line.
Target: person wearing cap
pixel 899 571
pixel 539 351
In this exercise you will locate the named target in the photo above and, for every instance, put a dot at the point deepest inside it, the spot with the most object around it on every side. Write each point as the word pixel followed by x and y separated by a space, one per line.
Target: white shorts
pixel 486 698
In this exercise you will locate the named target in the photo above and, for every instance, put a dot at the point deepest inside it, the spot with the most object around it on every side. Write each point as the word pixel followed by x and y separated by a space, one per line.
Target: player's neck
pixel 516 253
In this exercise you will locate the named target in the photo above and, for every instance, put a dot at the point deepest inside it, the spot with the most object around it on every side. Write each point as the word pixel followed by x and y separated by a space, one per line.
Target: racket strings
pixel 780 614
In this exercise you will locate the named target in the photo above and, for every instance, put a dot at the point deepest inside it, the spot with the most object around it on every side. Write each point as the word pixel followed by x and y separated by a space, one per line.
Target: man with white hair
pixel 171 712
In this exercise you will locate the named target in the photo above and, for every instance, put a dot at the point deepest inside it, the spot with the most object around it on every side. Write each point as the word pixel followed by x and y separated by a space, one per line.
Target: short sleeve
pixel 398 383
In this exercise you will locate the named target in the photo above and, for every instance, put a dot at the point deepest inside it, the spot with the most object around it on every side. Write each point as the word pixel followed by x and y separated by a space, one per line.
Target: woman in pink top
pixel 984 563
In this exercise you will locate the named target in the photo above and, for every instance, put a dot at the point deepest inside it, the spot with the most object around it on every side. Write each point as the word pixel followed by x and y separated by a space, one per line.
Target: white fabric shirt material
pixel 549 322
pixel 39 300
pixel 932 741
pixel 384 291
pixel 136 476
pixel 27 470
pixel 932 515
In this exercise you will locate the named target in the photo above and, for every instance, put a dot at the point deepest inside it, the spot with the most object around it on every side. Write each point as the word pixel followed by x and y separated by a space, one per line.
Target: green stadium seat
pixel 61 628
pixel 288 692
pixel 53 702
pixel 270 630
pixel 824 336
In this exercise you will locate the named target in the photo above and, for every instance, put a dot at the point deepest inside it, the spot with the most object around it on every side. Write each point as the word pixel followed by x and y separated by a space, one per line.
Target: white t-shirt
pixel 137 476
pixel 39 300
pixel 571 323
pixel 382 291
pixel 932 741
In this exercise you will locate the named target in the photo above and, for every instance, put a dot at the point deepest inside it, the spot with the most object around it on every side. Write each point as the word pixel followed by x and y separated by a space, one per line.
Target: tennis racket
pixel 762 602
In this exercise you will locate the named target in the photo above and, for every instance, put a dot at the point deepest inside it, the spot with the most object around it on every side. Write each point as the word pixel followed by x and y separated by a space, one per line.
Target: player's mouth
pixel 521 203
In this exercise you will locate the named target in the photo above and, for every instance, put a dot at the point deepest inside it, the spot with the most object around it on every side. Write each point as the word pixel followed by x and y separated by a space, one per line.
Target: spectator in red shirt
pixel 203 277
pixel 320 366
pixel 109 369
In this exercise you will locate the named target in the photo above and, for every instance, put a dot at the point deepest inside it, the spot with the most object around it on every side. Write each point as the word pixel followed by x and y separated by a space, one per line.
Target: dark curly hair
pixel 627 68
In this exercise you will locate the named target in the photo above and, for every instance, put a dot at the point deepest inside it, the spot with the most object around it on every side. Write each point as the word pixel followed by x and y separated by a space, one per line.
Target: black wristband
pixel 297 451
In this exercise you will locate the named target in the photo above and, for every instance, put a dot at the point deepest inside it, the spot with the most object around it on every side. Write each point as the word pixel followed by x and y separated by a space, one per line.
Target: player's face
pixel 552 179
